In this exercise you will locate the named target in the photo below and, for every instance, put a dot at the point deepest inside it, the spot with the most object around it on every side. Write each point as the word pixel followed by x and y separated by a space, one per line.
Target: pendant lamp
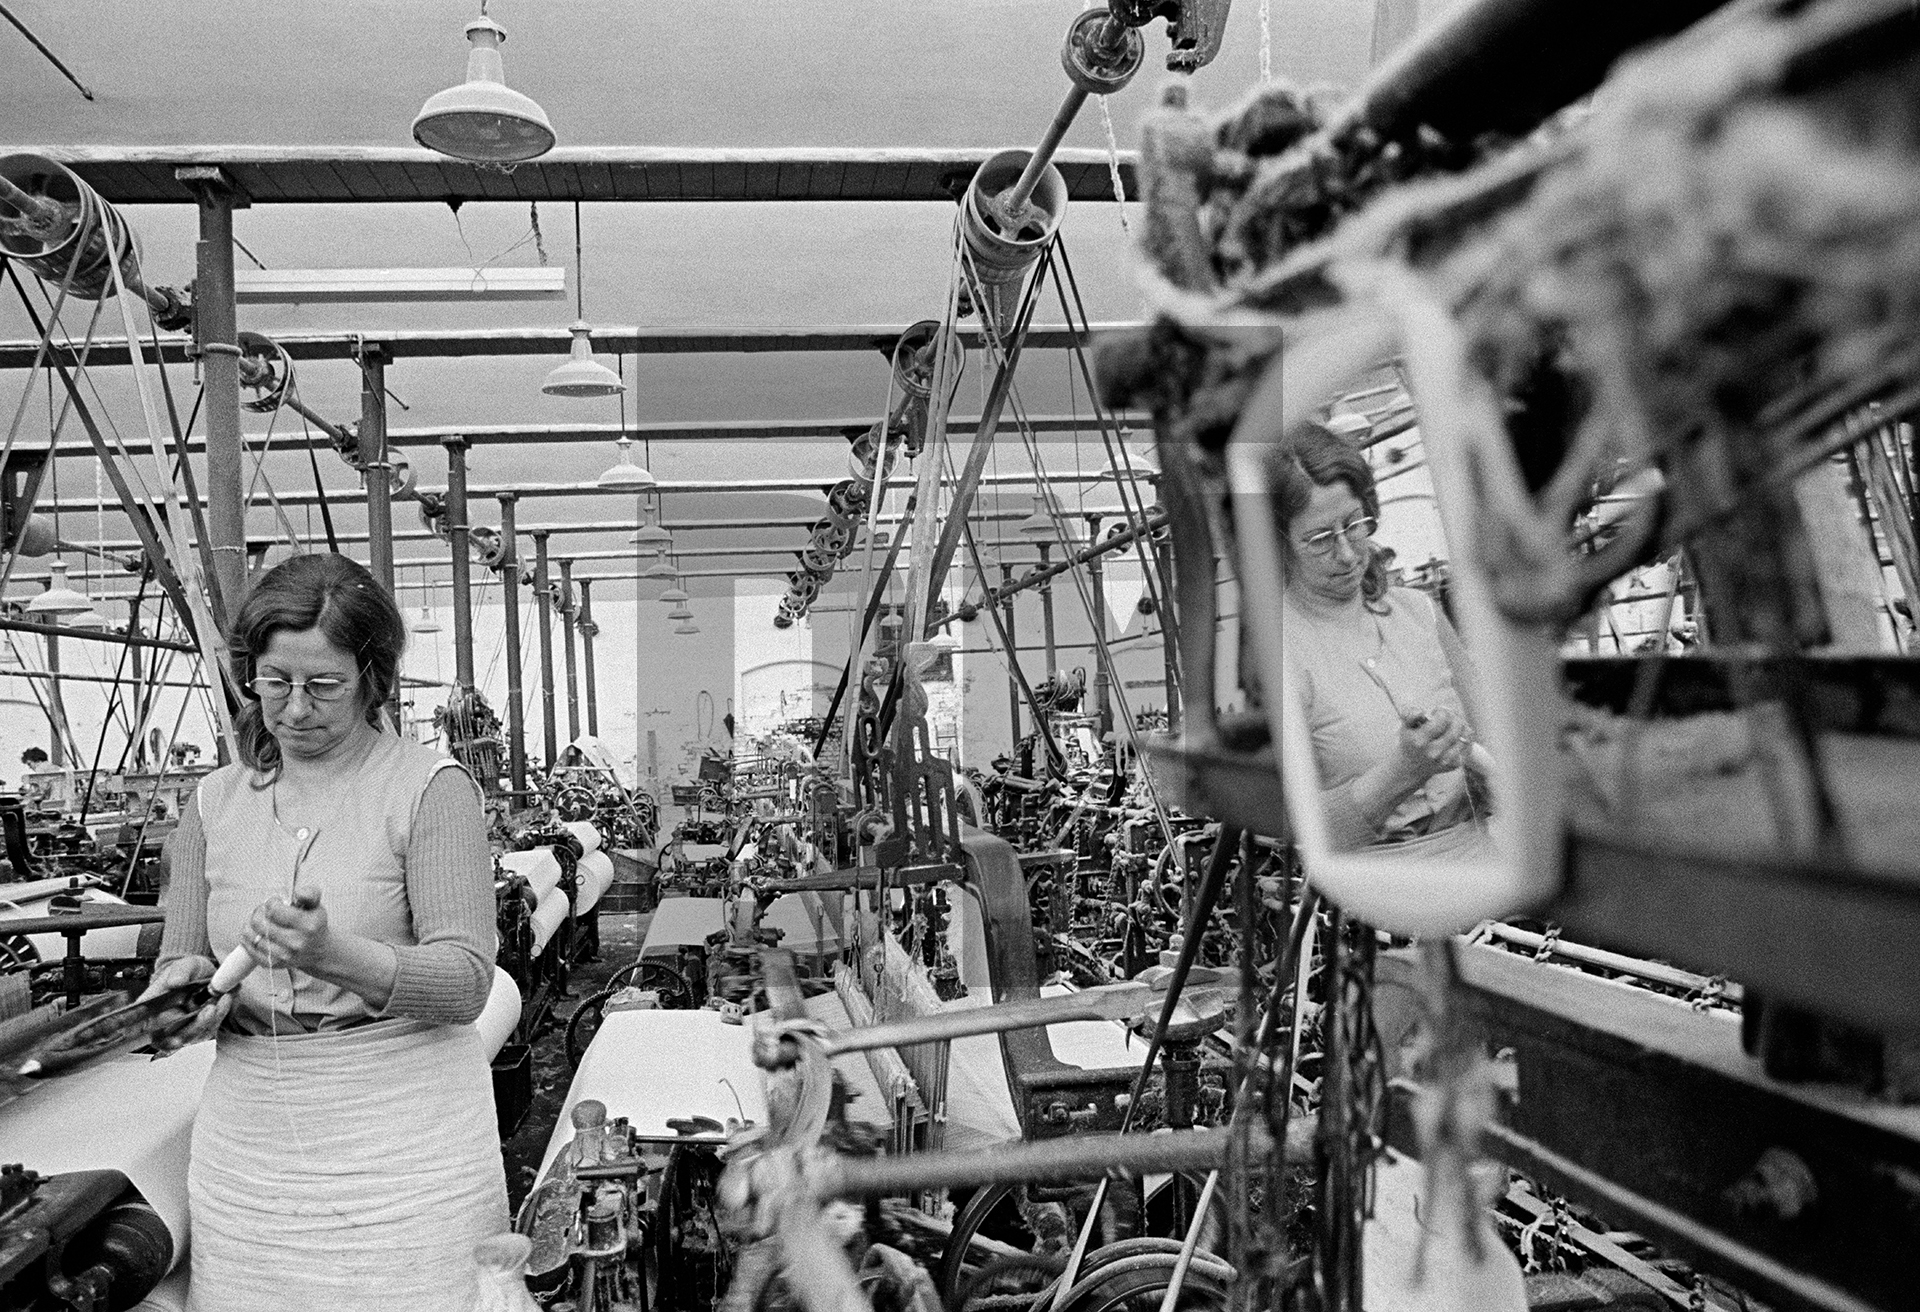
pixel 582 375
pixel 1039 524
pixel 61 603
pixel 426 623
pixel 681 612
pixel 660 569
pixel 483 120
pixel 650 537
pixel 676 595
pixel 624 475
pixel 689 627
pixel 1140 463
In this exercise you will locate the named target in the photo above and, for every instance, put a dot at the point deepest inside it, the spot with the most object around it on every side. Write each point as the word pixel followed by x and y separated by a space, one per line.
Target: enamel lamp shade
pixel 483 120
pixel 686 628
pixel 584 376
pixel 624 475
pixel 1039 524
pixel 681 612
pixel 676 595
pixel 60 602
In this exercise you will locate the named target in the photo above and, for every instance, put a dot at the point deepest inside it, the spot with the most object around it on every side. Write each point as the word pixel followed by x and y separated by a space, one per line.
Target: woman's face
pixel 1335 576
pixel 304 727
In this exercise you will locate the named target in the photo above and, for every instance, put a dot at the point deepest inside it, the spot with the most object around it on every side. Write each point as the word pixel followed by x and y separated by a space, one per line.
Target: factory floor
pixel 620 938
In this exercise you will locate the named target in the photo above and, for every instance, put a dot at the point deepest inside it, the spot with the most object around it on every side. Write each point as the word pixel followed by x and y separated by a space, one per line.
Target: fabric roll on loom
pixel 584 832
pixel 502 1012
pixel 595 877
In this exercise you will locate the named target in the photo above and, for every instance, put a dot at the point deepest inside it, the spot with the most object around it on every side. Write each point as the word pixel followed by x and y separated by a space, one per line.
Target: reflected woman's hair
pixel 1314 457
pixel 321 591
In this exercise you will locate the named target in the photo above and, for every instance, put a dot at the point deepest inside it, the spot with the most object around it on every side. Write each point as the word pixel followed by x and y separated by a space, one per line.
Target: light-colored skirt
pixel 349 1170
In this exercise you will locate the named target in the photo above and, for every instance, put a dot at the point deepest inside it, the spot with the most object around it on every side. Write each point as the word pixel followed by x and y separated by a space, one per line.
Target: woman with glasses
pixel 1376 664
pixel 345 1153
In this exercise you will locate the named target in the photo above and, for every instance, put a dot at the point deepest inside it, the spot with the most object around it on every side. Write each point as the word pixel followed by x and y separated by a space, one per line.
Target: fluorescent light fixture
pixel 300 286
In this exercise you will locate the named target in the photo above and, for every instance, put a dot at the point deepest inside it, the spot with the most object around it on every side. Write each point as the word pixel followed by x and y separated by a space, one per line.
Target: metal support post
pixel 568 609
pixel 1163 563
pixel 1046 615
pixel 1013 662
pixel 374 472
pixel 1097 576
pixel 462 563
pixel 588 630
pixel 215 331
pixel 56 707
pixel 510 599
pixel 543 596
pixel 375 477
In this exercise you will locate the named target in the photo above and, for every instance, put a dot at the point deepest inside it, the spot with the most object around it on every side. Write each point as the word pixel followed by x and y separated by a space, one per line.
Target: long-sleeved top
pixel 1360 668
pixel 403 860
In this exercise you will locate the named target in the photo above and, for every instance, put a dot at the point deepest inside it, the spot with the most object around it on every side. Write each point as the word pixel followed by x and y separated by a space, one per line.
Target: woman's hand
pixel 179 973
pixel 1431 743
pixel 294 934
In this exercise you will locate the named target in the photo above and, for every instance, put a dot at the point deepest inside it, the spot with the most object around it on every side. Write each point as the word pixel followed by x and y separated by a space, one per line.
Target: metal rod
pixel 1046 616
pixel 510 601
pixel 56 706
pixel 1013 660
pixel 1107 1002
pixel 462 562
pixel 1015 198
pixel 215 325
pixel 543 596
pixel 1169 651
pixel 567 608
pixel 1079 1157
pixel 42 47
pixel 94 635
pixel 1102 682
pixel 586 626
pixel 1084 556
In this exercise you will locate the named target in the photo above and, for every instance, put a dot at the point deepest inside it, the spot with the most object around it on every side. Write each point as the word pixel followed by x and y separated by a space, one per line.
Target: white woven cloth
pixel 350 1170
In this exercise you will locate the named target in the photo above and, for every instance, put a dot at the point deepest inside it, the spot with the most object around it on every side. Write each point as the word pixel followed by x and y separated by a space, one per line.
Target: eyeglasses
pixel 1353 532
pixel 319 688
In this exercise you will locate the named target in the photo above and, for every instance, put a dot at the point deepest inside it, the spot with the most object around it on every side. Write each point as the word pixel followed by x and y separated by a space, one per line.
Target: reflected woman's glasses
pixel 1353 532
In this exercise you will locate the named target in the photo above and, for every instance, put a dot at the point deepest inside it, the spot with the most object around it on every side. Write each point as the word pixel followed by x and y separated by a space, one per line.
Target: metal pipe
pixel 1102 683
pixel 462 562
pixel 1013 660
pixel 1046 616
pixel 510 599
pixel 567 611
pixel 587 629
pixel 1077 1157
pixel 1084 556
pixel 373 463
pixel 543 595
pixel 94 635
pixel 215 328
pixel 56 706
pixel 1161 553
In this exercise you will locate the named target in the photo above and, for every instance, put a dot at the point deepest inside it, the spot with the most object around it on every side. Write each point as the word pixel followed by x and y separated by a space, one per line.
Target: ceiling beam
pixel 612 340
pixel 136 175
pixel 288 436
pixel 710 487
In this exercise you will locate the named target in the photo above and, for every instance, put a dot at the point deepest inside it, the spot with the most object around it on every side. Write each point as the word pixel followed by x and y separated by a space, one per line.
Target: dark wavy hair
pixel 1315 457
pixel 319 591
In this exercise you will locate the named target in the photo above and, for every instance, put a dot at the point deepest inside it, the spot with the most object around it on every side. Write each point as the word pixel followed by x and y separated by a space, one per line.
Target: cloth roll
pixel 547 917
pixel 595 877
pixel 584 831
pixel 500 1015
